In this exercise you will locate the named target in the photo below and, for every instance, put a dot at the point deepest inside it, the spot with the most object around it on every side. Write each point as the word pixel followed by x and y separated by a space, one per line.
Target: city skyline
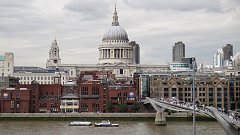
pixel 30 27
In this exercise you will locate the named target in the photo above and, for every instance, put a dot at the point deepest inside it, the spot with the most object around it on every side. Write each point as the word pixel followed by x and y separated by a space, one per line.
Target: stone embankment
pixel 94 116
pixel 103 115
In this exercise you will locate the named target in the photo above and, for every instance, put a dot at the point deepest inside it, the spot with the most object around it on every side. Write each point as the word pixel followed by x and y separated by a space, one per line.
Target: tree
pixel 135 107
pixel 109 107
pixel 123 107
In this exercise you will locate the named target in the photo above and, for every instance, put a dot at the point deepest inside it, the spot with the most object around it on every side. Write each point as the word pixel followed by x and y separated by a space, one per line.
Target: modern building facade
pixel 223 57
pixel 227 52
pixel 236 59
pixel 178 51
pixel 218 58
pixel 180 62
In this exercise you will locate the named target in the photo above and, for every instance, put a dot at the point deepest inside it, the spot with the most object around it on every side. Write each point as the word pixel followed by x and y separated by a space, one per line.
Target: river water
pixel 125 128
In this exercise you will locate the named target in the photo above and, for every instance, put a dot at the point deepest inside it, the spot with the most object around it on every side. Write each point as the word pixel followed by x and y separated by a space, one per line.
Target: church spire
pixel 115 18
pixel 54 43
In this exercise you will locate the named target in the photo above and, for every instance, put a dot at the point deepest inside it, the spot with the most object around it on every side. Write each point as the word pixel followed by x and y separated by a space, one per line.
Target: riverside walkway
pixel 229 120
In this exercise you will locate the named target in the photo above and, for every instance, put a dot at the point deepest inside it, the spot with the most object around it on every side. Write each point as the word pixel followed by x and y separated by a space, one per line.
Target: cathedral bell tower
pixel 54 58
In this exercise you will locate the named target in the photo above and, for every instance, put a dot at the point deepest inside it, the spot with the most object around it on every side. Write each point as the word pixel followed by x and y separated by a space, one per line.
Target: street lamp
pixel 193 89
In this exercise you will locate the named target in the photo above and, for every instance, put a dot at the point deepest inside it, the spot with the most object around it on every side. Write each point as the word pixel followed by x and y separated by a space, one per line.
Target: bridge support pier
pixel 160 119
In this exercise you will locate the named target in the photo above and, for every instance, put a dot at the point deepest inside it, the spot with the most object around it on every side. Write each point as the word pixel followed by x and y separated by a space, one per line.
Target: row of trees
pixel 122 107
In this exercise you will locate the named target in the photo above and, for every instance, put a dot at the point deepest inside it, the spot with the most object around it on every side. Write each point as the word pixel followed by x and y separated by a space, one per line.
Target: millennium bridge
pixel 229 120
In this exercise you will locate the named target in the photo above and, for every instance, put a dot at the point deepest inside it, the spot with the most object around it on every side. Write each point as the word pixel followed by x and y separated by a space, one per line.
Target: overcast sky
pixel 28 27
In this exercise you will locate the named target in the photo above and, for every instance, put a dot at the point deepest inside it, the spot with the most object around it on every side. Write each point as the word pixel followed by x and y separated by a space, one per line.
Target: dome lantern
pixel 115 32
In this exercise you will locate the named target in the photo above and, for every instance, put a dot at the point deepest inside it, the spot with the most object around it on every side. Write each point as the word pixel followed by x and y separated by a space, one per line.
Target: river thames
pixel 125 128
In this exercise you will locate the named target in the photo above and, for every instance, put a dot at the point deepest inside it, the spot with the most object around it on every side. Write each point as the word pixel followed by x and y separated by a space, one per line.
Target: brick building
pixel 213 90
pixel 15 100
pixel 91 93
pixel 122 94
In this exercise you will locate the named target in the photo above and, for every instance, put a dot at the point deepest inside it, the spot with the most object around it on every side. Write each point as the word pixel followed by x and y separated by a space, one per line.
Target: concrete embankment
pixel 92 116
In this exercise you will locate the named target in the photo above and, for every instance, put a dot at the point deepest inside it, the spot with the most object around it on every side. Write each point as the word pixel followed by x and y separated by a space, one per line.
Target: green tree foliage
pixel 135 107
pixel 123 108
pixel 110 107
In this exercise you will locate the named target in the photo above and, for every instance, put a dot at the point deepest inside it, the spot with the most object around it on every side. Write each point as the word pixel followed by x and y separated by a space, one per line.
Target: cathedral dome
pixel 115 33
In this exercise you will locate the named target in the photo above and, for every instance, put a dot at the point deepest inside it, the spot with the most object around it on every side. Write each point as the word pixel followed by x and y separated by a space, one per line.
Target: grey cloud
pixel 15 8
pixel 19 16
pixel 178 5
pixel 16 3
pixel 89 9
pixel 29 30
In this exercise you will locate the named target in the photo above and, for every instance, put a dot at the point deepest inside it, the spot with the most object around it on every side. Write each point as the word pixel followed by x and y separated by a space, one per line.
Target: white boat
pixel 80 123
pixel 105 123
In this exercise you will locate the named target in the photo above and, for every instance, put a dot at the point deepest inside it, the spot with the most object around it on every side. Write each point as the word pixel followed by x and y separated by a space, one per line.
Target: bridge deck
pixel 224 118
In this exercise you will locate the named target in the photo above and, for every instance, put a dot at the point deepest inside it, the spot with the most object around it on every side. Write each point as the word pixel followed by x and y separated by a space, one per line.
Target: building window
pixel 119 94
pixel 121 71
pixel 12 104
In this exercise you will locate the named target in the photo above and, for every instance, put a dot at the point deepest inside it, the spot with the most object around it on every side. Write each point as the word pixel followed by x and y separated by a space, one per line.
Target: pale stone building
pixel 41 78
pixel 116 54
pixel 54 57
pixel 6 64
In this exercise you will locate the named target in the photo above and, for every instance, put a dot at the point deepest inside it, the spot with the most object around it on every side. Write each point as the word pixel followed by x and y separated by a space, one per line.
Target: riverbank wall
pixel 96 116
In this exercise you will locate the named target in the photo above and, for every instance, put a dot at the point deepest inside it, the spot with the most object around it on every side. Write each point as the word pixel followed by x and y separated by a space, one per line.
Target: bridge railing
pixel 232 117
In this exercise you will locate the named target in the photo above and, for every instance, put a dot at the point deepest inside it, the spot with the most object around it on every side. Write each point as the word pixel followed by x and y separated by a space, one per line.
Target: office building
pixel 178 51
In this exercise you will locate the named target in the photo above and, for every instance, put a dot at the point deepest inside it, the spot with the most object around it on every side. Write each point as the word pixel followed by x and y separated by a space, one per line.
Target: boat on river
pixel 105 123
pixel 80 123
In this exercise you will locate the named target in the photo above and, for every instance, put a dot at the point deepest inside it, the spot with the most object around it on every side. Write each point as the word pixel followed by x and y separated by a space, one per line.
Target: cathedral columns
pixel 117 53
pixel 114 53
pixel 107 53
pixel 102 53
pixel 131 54
pixel 125 51
pixel 120 53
